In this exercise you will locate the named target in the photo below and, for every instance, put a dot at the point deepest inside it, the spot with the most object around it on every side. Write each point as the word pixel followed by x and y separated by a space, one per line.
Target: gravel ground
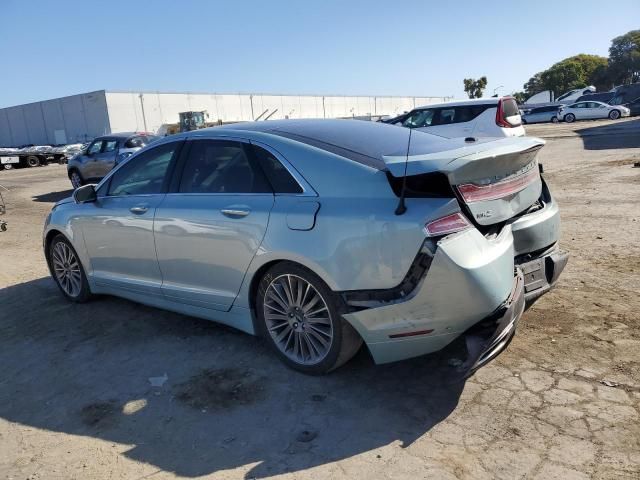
pixel 563 402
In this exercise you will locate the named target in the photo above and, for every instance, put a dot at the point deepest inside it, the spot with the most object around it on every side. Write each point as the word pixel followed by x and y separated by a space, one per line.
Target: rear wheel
pixel 569 117
pixel 301 320
pixel 614 114
pixel 33 161
pixel 76 179
pixel 67 270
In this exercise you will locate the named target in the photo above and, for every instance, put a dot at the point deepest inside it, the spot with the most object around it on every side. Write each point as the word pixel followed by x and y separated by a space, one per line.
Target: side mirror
pixel 85 194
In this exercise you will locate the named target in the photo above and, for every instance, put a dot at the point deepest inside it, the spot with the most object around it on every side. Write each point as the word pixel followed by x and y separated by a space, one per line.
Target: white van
pixel 481 117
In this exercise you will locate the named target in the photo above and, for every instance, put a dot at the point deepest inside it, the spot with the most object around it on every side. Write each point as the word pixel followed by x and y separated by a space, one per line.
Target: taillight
pixel 501 119
pixel 446 225
pixel 475 193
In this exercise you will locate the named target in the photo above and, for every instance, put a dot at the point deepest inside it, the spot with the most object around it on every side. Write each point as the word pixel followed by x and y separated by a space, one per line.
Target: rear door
pixel 580 110
pixel 88 160
pixel 209 227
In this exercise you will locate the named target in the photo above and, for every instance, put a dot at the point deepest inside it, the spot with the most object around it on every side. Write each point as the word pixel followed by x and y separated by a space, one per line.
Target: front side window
pixel 144 174
pixel 418 119
pixel 279 177
pixel 221 166
pixel 95 147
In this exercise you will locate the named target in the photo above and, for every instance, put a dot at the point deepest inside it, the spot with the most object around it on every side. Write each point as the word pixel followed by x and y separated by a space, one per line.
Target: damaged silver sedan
pixel 321 235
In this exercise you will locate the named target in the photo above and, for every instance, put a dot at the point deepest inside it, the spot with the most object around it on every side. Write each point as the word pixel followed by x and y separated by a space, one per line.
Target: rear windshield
pixel 140 141
pixel 509 107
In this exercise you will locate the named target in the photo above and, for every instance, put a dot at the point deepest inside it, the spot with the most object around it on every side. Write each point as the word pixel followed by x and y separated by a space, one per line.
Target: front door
pixel 104 161
pixel 208 229
pixel 118 229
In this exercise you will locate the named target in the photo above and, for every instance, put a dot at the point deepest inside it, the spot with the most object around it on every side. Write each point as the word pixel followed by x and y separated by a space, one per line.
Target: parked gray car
pixel 548 113
pixel 321 235
pixel 102 154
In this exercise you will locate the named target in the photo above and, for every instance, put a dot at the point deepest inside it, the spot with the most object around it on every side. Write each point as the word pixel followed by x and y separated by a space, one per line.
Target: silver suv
pixel 104 153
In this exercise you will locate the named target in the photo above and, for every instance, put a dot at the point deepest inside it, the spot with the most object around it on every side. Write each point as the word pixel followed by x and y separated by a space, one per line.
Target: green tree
pixel 573 72
pixel 520 97
pixel 474 88
pixel 624 58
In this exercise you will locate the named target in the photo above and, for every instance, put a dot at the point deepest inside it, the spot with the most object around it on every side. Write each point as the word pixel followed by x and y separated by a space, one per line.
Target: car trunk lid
pixel 495 179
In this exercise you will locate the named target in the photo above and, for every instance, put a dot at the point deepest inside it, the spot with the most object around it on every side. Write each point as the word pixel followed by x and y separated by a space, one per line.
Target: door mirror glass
pixel 85 194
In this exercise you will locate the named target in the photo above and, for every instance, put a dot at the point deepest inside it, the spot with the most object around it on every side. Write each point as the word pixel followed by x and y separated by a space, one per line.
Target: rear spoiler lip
pixel 442 161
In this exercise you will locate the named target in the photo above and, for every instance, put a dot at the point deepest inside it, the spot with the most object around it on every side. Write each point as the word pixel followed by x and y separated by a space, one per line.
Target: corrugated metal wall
pixel 149 111
pixel 79 118
pixel 62 120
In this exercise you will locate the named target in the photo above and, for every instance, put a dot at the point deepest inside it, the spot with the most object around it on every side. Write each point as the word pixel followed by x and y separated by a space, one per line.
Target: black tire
pixel 345 341
pixel 7 166
pixel 569 118
pixel 76 179
pixel 33 161
pixel 554 119
pixel 614 114
pixel 83 292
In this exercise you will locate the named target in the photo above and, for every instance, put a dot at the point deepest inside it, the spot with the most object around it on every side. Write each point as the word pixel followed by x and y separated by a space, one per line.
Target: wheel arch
pixel 259 272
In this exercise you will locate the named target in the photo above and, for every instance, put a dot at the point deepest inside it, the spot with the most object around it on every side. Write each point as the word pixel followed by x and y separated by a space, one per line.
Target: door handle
pixel 139 210
pixel 235 212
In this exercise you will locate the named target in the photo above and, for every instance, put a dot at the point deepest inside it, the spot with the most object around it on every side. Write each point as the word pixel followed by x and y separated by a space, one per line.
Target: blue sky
pixel 324 47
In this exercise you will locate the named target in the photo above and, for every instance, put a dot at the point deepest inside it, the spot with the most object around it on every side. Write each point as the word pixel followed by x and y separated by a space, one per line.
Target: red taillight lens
pixel 501 119
pixel 446 225
pixel 475 193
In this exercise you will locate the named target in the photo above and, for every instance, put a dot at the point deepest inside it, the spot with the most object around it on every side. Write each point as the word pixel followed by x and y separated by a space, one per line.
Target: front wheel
pixel 569 118
pixel 76 179
pixel 554 120
pixel 67 270
pixel 300 317
pixel 614 114
pixel 7 166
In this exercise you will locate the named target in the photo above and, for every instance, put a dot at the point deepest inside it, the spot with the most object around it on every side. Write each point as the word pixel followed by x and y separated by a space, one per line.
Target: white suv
pixel 482 117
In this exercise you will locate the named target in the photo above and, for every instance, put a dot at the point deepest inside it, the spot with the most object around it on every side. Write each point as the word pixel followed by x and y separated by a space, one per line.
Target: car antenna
pixel 401 205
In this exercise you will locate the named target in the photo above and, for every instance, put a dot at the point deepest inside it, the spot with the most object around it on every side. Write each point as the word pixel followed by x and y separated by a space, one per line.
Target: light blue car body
pixel 183 255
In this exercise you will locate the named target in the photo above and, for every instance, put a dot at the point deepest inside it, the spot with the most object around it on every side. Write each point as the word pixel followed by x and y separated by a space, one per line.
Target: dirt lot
pixel 563 402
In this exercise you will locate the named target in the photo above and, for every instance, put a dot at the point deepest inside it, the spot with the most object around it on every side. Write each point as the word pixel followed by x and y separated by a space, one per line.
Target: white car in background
pixel 481 117
pixel 590 111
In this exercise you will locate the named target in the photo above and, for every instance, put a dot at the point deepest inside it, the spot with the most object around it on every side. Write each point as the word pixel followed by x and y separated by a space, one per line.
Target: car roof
pixel 360 140
pixel 127 135
pixel 460 103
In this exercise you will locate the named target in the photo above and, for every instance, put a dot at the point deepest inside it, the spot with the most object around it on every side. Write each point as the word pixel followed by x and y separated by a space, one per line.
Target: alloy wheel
pixel 614 114
pixel 67 269
pixel 298 319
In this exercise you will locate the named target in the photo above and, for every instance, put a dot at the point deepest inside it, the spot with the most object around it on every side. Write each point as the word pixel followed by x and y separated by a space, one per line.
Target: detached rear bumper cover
pixel 486 340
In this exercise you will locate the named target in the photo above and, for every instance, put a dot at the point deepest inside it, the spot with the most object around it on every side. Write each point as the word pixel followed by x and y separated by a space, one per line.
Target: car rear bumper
pixel 469 279
pixel 541 271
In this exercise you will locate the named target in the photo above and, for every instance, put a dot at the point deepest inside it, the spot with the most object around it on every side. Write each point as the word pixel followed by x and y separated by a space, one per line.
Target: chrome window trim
pixel 307 190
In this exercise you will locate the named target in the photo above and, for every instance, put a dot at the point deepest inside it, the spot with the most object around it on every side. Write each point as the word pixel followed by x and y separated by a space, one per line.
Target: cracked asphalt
pixel 562 402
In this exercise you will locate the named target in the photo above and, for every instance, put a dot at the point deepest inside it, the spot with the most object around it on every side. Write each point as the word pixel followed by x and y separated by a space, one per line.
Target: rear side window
pixel 510 107
pixel 221 166
pixel 279 177
pixel 109 145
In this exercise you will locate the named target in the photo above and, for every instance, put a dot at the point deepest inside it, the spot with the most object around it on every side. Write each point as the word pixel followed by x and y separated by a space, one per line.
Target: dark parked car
pixel 634 107
pixel 104 153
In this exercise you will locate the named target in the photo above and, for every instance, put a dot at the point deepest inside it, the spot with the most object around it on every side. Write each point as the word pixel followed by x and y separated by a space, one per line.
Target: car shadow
pixel 624 134
pixel 53 197
pixel 222 400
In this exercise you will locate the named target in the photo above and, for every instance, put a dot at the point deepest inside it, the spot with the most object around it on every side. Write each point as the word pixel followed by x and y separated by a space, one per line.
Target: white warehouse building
pixel 79 118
